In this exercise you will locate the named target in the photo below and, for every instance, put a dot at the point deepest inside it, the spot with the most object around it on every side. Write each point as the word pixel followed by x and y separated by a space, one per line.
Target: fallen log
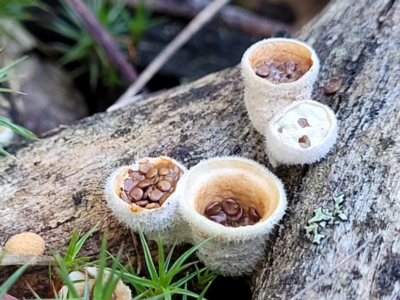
pixel 56 184
pixel 358 42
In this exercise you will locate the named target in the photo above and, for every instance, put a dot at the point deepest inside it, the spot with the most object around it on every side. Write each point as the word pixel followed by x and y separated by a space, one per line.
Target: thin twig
pixel 198 22
pixel 316 281
pixel 101 36
pixel 13 259
pixel 138 258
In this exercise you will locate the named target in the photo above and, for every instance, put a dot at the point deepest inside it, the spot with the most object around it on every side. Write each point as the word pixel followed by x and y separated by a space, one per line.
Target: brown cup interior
pixel 122 175
pixel 248 185
pixel 119 179
pixel 280 52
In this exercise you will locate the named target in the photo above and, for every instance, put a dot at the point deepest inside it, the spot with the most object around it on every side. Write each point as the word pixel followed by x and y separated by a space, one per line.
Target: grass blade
pixel 140 284
pixel 184 280
pixel 70 254
pixel 177 266
pixel 156 297
pixel 5 69
pixel 86 292
pixel 168 260
pixel 185 296
pixel 4 152
pixel 98 285
pixel 161 265
pixel 63 272
pixel 167 294
pixel 205 290
pixel 11 280
pixel 18 129
pixel 148 258
pixel 204 279
pixel 76 244
pixel 113 279
pixel 134 279
pixel 185 292
pixel 6 90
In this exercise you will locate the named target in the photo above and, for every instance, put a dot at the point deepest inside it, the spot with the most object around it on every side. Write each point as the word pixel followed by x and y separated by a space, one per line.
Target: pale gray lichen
pixel 338 208
pixel 313 229
pixel 322 217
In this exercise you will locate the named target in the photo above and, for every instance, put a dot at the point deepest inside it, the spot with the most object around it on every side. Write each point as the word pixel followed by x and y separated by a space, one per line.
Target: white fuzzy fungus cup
pixel 143 197
pixel 301 133
pixel 88 276
pixel 233 250
pixel 276 72
pixel 6 135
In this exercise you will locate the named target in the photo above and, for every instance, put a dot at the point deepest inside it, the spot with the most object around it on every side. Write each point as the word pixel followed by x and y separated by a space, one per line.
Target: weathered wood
pixel 37 189
pixel 356 40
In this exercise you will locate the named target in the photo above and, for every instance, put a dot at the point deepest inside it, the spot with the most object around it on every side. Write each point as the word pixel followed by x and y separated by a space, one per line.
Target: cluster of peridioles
pixel 279 75
pixel 234 250
pixel 297 130
pixel 235 200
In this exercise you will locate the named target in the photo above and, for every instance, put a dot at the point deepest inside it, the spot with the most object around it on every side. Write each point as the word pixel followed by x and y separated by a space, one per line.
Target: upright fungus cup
pixel 276 72
pixel 143 197
pixel 301 133
pixel 235 200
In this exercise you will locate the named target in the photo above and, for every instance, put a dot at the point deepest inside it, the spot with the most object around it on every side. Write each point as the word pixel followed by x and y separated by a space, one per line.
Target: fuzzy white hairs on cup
pixel 276 72
pixel 301 133
pixel 233 250
pixel 143 197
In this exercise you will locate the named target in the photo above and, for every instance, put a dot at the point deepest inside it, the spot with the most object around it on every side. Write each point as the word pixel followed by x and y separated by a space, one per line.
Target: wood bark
pixel 357 41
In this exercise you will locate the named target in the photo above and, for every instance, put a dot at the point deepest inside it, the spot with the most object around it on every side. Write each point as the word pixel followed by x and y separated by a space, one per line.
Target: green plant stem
pixel 101 36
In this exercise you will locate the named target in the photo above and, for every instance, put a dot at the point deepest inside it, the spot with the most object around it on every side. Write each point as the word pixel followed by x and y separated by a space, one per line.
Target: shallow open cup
pixel 301 133
pixel 233 250
pixel 155 216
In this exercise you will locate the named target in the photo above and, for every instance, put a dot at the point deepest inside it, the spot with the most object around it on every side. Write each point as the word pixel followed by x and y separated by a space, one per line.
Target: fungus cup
pixel 89 274
pixel 25 243
pixel 276 72
pixel 233 250
pixel 301 133
pixel 143 197
pixel 6 135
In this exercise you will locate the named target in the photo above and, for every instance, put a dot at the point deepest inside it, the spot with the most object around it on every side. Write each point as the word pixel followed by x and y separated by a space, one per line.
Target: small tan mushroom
pixel 25 243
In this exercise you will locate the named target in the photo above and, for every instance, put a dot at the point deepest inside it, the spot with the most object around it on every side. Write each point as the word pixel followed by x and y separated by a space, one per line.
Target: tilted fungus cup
pixel 233 250
pixel 6 135
pixel 150 221
pixel 264 98
pixel 301 133
pixel 87 277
